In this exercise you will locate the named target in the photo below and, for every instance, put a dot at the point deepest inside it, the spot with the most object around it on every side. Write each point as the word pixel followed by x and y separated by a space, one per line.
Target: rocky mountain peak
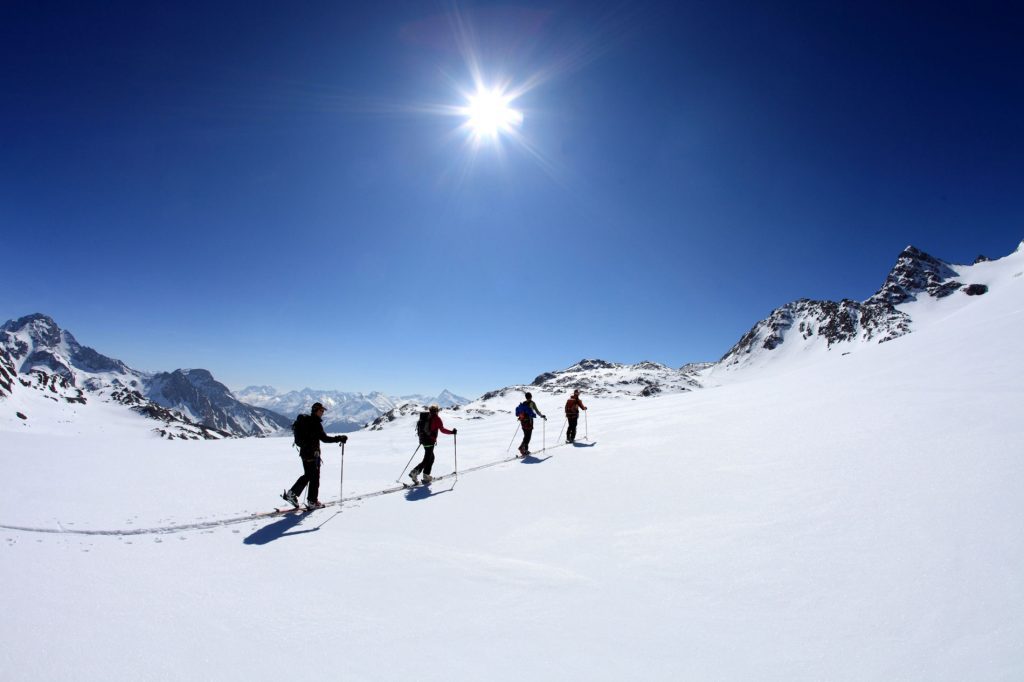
pixel 805 322
pixel 41 329
pixel 916 272
pixel 37 341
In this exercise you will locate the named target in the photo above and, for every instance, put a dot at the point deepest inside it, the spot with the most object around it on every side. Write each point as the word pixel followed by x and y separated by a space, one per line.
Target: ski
pixel 288 510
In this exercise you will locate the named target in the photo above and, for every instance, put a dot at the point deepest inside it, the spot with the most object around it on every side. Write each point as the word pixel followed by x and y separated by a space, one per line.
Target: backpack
pixel 523 411
pixel 302 429
pixel 423 427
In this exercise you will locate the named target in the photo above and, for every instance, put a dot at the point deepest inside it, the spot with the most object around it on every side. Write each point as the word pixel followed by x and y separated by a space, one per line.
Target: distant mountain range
pixel 345 411
pixel 36 355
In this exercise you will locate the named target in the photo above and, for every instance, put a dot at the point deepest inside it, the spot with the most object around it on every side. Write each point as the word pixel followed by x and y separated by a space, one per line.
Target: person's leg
pixel 428 459
pixel 527 434
pixel 312 467
pixel 300 483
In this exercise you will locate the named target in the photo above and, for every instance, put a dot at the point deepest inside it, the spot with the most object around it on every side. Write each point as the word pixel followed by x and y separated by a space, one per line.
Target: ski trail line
pixel 219 523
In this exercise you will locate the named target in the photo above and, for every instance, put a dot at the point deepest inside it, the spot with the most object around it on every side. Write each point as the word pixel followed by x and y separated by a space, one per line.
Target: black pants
pixel 524 447
pixel 428 461
pixel 311 476
pixel 570 433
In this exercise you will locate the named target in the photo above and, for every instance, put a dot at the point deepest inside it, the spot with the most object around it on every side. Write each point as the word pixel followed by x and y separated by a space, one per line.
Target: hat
pixel 435 408
pixel 529 395
pixel 576 392
pixel 318 406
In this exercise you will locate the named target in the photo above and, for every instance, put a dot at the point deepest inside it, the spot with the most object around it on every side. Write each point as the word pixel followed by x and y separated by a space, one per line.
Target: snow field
pixel 845 518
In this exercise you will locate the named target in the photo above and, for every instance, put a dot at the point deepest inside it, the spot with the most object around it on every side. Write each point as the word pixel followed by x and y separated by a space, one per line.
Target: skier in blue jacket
pixel 526 412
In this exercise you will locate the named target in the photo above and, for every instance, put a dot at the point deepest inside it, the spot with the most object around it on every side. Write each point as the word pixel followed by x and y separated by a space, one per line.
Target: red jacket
pixel 436 425
pixel 572 407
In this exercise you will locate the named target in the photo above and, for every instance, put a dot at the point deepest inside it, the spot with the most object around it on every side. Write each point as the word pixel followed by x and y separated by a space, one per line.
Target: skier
pixel 572 414
pixel 309 433
pixel 527 411
pixel 428 439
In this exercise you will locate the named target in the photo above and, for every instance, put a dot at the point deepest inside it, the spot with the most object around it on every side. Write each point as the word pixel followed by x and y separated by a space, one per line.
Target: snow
pixel 848 517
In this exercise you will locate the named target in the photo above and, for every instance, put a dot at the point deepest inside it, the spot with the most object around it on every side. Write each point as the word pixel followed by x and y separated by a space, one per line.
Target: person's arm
pixel 537 409
pixel 440 426
pixel 324 438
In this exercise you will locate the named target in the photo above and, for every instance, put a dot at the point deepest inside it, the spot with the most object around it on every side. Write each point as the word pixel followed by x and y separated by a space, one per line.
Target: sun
pixel 489 113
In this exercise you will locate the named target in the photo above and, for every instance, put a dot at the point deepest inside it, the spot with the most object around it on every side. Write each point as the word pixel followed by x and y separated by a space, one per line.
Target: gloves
pixel 343 439
pixel 544 417
pixel 454 431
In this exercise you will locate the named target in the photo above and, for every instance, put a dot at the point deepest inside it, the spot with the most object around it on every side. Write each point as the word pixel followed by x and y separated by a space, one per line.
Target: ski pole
pixel 586 426
pixel 544 436
pixel 341 485
pixel 513 439
pixel 455 441
pixel 399 479
pixel 564 422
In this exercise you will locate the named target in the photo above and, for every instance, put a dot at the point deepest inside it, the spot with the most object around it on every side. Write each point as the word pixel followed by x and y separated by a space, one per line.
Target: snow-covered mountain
pixel 445 399
pixel 918 287
pixel 917 283
pixel 36 343
pixel 206 401
pixel 37 355
pixel 345 411
pixel 600 377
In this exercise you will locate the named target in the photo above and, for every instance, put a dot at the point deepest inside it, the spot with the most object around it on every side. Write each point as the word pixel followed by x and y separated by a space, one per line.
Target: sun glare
pixel 489 113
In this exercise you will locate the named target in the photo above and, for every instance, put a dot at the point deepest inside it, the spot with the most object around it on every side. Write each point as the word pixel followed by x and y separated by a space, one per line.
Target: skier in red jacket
pixel 428 440
pixel 572 413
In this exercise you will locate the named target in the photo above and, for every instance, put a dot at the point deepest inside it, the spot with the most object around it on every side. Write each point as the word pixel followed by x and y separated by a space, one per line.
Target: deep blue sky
pixel 262 189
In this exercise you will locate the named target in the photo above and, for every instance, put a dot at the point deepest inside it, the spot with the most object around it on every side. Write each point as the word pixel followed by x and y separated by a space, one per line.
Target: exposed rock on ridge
pixel 875 320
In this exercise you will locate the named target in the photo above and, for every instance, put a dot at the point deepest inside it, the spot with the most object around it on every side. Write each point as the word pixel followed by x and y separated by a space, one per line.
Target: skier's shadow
pixel 530 459
pixel 423 492
pixel 584 445
pixel 278 529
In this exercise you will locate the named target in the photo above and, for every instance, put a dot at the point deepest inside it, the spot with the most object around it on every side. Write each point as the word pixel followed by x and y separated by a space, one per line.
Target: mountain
pixel 200 397
pixel 918 288
pixel 799 329
pixel 345 411
pixel 600 377
pixel 37 343
pixel 36 354
pixel 445 399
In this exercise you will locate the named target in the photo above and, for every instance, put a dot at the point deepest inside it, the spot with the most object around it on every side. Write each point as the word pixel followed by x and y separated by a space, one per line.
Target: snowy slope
pixel 853 517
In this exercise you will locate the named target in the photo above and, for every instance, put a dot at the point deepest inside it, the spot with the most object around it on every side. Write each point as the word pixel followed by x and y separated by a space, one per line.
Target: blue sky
pixel 278 194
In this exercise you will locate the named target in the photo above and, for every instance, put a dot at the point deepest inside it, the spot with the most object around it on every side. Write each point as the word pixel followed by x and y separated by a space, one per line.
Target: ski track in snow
pixel 220 523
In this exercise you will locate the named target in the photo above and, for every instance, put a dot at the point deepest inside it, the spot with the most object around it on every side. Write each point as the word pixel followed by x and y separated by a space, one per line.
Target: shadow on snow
pixel 279 529
pixel 531 459
pixel 423 492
